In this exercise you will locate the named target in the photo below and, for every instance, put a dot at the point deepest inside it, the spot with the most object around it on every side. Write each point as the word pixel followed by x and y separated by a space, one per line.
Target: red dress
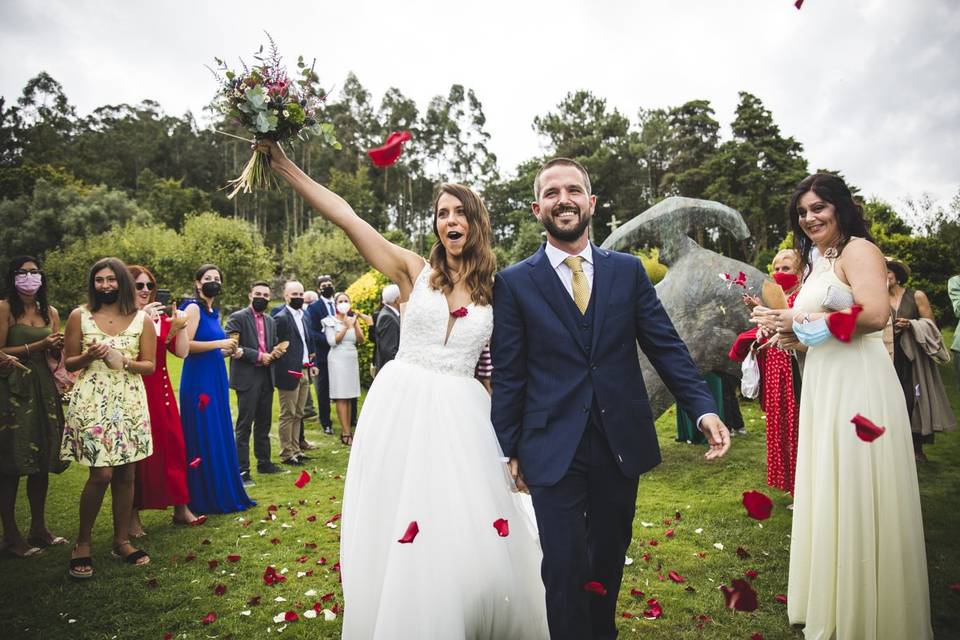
pixel 162 478
pixel 782 414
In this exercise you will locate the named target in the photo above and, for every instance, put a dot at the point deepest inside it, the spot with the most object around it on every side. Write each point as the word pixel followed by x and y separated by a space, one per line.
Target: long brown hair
pixel 478 263
pixel 135 271
pixel 125 300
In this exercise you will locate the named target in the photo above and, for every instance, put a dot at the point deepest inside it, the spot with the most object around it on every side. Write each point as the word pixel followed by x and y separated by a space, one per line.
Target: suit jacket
pixel 315 314
pixel 243 369
pixel 292 360
pixel 548 377
pixel 388 337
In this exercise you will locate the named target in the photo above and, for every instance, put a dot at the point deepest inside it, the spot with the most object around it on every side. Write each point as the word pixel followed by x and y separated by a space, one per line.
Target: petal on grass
pixel 758 505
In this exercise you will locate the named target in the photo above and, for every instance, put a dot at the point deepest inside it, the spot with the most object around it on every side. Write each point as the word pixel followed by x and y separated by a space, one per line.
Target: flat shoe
pixel 43 544
pixel 29 553
pixel 132 558
pixel 199 520
pixel 76 563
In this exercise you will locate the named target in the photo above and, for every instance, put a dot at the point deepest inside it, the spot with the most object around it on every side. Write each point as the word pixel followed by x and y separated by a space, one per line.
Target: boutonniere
pixel 459 313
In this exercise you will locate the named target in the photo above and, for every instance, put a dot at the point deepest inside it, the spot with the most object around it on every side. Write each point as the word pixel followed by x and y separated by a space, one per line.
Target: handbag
pixel 750 378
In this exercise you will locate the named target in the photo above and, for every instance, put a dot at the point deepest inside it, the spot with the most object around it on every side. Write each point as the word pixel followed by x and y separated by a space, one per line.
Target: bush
pixel 173 257
pixel 365 296
pixel 323 249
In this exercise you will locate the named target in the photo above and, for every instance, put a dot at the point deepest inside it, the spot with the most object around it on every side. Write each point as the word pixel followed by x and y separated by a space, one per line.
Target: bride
pixel 434 543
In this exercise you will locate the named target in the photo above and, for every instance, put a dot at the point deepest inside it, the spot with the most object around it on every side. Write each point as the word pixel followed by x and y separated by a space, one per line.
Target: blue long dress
pixel 215 483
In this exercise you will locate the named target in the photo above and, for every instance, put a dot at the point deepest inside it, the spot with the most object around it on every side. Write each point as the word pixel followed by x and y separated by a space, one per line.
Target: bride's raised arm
pixel 400 265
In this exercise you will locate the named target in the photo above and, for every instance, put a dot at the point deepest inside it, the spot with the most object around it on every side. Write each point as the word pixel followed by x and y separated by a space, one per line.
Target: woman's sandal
pixel 77 563
pixel 133 558
pixel 347 439
pixel 37 541
pixel 196 522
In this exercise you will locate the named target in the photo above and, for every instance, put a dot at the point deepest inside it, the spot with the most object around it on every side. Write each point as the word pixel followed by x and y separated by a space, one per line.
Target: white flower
pixel 310 614
pixel 646 524
pixel 286 113
pixel 310 593
pixel 329 616
pixel 279 599
pixel 280 617
pixel 301 574
pixel 245 613
pixel 700 530
pixel 718 545
pixel 286 526
pixel 283 571
pixel 627 561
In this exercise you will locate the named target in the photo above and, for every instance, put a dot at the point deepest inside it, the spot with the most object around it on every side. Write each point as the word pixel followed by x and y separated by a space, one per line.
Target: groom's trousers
pixel 586 524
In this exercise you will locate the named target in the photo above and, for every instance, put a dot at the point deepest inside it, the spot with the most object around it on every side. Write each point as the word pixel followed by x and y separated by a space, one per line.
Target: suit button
pixel 586 409
pixel 593 366
pixel 603 410
pixel 584 325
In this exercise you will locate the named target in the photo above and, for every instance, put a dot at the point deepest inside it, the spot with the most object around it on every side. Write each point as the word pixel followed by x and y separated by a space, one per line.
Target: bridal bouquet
pixel 270 104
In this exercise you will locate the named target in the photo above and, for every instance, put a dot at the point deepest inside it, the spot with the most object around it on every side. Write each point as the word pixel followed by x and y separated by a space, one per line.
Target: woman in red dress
pixel 162 478
pixel 779 397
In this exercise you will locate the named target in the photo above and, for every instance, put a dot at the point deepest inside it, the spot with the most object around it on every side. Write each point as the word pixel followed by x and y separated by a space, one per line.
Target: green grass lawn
pixel 177 590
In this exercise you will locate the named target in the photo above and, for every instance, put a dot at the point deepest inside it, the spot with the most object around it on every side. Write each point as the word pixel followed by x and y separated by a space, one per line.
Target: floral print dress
pixel 108 420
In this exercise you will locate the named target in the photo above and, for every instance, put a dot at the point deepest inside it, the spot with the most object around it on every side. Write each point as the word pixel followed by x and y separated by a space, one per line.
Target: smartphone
pixel 164 297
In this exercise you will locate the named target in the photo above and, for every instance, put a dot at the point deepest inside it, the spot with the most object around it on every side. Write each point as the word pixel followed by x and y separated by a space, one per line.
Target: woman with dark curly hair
pixel 858 567
pixel 31 416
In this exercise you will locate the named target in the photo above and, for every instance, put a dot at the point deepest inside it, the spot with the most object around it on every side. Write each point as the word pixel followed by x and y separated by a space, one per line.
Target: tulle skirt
pixel 426 452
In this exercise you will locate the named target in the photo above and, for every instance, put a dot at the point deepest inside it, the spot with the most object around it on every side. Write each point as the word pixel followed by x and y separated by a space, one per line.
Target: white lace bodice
pixel 424 327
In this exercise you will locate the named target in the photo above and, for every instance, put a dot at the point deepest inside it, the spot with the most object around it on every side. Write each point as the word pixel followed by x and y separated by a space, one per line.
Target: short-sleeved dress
pixel 31 416
pixel 343 362
pixel 108 422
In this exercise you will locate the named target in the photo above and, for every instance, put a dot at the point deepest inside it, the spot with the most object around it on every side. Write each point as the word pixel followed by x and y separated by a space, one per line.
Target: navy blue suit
pixel 569 402
pixel 315 314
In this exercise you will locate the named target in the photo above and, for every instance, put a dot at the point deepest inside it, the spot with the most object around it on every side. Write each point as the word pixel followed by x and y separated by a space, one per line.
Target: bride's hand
pixel 273 151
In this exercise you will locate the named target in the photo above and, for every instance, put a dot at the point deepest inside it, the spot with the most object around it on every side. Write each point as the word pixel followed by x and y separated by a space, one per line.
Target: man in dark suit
pixel 252 379
pixel 293 371
pixel 317 311
pixel 387 327
pixel 569 404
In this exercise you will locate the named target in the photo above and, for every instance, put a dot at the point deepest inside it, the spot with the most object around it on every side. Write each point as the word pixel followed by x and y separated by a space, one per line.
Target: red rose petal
pixel 233 558
pixel 654 610
pixel 595 587
pixel 627 615
pixel 502 527
pixel 205 541
pixel 302 480
pixel 653 543
pixel 335 568
pixel 669 533
pixel 212 564
pixel 275 541
pixel 389 152
pixel 311 518
pixel 302 559
pixel 758 505
pixel 741 596
pixel 327 597
pixel 271 576
pixel 866 429
pixel 798 4
pixel 676 516
pixel 636 593
pixel 954 587
pixel 459 313
pixel 322 561
pixel 751 574
pixel 152 583
pixel 690 589
pixel 209 618
pixel 408 536
pixel 202 401
pixel 333 518
pixel 759 636
pixel 676 577
pixel 291 616
pixel 336 609
pixel 842 323
pixel 193 464
pixel 701 554
pixel 782 599
pixel 272 507
pixel 310 545
pixel 219 589
pixel 646 557
pixel 254 601
pixel 168 636
pixel 742 553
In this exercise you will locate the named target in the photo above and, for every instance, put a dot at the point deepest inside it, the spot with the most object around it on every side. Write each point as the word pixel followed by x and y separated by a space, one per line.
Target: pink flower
pixel 459 313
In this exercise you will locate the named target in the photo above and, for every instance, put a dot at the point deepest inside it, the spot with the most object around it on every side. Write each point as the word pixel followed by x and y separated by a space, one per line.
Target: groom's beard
pixel 568 234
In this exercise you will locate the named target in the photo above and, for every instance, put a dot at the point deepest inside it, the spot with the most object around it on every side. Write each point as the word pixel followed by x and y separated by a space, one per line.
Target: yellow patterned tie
pixel 581 290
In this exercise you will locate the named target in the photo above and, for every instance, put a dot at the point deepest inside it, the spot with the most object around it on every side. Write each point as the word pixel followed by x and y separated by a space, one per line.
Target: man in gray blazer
pixel 252 378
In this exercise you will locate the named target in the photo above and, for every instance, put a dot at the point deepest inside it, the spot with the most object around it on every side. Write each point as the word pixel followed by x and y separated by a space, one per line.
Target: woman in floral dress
pixel 108 421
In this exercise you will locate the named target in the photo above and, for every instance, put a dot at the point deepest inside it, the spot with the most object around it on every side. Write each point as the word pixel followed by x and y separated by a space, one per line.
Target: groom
pixel 569 404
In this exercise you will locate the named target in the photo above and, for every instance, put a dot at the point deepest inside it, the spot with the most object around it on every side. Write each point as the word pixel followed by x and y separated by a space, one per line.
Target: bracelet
pixel 26 345
pixel 126 364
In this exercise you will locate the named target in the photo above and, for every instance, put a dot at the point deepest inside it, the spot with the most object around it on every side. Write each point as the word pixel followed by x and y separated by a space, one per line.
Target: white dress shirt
pixel 557 256
pixel 298 320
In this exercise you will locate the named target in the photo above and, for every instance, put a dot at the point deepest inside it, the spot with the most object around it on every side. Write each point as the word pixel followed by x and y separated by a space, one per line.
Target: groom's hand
pixel 717 435
pixel 517 475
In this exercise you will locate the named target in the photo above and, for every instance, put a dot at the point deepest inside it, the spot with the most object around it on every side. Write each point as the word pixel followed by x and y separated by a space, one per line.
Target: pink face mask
pixel 28 283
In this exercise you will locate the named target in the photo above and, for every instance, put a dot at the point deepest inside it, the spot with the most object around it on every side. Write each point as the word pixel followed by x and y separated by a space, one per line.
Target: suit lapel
pixel 546 280
pixel 602 281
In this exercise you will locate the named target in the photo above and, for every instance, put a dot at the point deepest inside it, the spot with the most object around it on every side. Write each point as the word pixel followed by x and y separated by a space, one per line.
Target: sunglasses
pixel 149 286
pixel 25 272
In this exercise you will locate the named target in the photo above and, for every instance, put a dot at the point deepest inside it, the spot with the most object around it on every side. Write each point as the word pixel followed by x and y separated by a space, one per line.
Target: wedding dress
pixel 425 452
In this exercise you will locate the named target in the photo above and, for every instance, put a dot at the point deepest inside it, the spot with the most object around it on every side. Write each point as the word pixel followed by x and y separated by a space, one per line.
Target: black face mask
pixel 327 292
pixel 107 297
pixel 210 289
pixel 295 303
pixel 259 304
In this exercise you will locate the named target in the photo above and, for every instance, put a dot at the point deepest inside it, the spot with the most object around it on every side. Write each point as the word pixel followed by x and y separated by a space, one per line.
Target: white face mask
pixel 343 307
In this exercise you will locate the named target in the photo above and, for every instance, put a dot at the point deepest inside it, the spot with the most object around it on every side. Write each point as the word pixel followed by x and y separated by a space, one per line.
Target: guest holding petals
pixel 953 290
pixel 858 567
pixel 31 416
pixel 112 345
pixel 213 476
pixel 162 478
pixel 344 333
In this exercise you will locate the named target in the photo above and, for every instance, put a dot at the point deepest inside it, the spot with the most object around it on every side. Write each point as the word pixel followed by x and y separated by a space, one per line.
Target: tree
pixel 168 200
pixel 694 135
pixel 323 249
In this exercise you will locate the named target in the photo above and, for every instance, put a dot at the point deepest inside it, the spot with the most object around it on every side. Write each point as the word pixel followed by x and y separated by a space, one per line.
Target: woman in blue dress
pixel 213 470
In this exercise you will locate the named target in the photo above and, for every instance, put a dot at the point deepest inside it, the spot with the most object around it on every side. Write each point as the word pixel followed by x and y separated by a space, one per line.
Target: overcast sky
pixel 869 87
